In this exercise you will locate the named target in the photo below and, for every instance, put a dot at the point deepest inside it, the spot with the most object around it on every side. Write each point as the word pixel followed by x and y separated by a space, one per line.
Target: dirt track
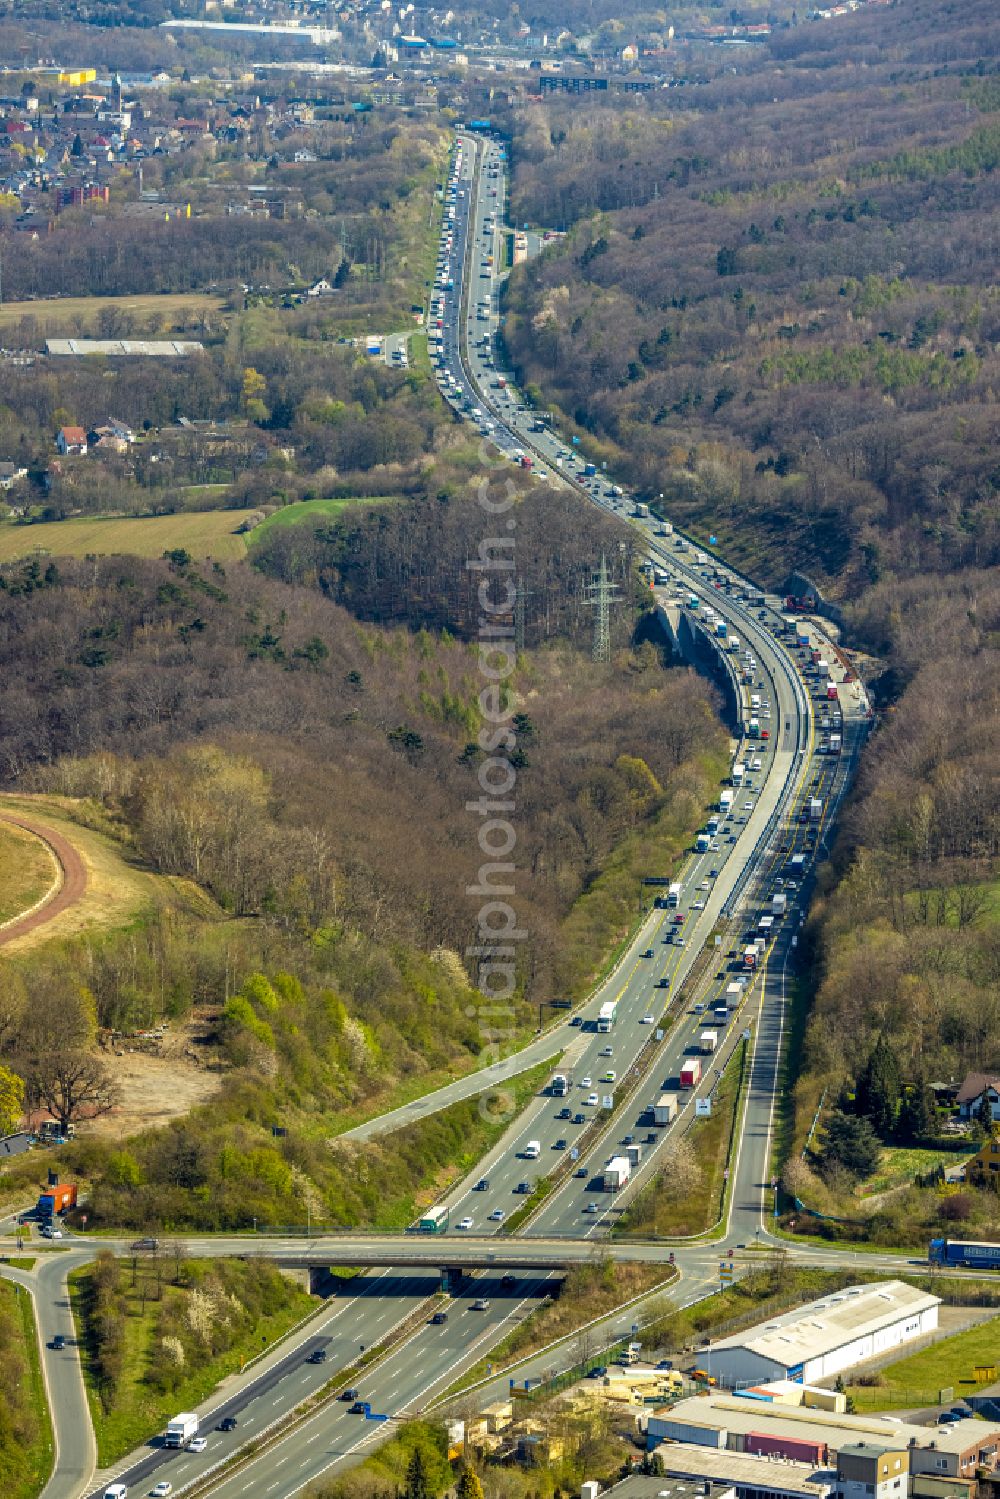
pixel 72 887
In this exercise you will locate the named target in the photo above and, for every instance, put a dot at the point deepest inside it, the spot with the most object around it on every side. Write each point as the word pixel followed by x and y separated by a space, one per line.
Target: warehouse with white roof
pixel 821 1339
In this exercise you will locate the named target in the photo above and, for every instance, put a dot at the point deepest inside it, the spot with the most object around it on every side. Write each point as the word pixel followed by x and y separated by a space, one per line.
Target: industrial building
pixel 720 1423
pixel 821 1339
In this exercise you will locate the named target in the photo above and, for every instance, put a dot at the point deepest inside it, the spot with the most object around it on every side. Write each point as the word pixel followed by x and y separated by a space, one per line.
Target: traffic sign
pixel 574 1153
pixel 660 1034
pixel 702 1108
pixel 608 1101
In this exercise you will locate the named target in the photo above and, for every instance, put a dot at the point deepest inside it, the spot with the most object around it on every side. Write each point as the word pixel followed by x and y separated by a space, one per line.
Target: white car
pixel 586 1082
pixel 497 1215
pixel 592 1099
pixel 698 905
pixel 607 1051
pixel 591 1208
pixel 465 1223
pixel 748 806
pixel 198 1444
pixel 163 1488
pixel 646 1020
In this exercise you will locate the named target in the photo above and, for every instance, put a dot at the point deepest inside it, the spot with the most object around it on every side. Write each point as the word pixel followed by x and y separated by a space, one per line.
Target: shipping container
pixel 616 1173
pixel 56 1199
pixel 794 1449
pixel 708 1041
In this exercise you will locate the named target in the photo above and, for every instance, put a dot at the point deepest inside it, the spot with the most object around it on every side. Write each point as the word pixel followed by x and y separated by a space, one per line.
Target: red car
pixel 679 919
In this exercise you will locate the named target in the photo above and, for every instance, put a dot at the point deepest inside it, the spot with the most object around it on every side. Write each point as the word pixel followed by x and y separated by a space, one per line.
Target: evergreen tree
pixel 984 1114
pixel 916 1112
pixel 879 1088
pixel 851 1143
pixel 417 1486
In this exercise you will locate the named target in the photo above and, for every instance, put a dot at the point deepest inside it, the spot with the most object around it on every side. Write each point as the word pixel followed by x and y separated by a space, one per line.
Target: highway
pixel 665 991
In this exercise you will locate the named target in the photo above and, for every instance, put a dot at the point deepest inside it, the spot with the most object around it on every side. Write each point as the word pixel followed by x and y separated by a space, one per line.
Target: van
pixel 532 1150
pixel 116 1491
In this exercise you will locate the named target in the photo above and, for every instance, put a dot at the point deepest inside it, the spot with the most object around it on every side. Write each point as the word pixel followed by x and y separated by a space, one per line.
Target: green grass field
pixel 304 510
pixel 25 1458
pixel 204 533
pixel 67 315
pixel 951 1363
pixel 27 871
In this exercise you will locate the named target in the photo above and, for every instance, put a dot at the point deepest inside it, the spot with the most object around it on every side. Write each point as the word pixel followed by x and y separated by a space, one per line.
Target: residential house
pixel 71 441
pixel 864 1468
pixel 984 1168
pixel 10 473
pixel 971 1093
pixel 113 434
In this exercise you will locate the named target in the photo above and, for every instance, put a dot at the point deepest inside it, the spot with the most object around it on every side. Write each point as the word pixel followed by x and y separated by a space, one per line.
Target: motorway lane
pixel 360 1312
pixel 429 1361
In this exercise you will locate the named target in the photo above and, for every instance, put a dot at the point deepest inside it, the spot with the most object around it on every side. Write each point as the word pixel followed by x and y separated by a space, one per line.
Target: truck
pixel 665 1109
pixel 753 729
pixel 616 1173
pixel 726 802
pixel 660 577
pixel 797 865
pixel 55 1200
pixel 691 1072
pixel 721 1014
pixel 606 1017
pixel 836 742
pixel 815 809
pixel 666 528
pixel 721 629
pixel 181 1430
pixel 831 691
pixel 755 702
pixel 734 993
pixel 709 1042
pixel 702 843
pixel 750 956
pixel 674 895
pixel 779 903
pixel 434 1221
pixel 532 1150
pixel 634 1153
pixel 559 1085
pixel 764 925
pixel 692 601
pixel 977 1255
pixel 641 511
pixel 701 559
pixel 590 469
pixel 737 773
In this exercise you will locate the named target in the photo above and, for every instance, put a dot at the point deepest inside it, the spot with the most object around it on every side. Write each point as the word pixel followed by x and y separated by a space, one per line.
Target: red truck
pixel 56 1200
pixel 691 1073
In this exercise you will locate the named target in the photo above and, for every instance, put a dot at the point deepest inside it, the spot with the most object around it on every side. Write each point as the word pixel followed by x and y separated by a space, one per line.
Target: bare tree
pixel 72 1085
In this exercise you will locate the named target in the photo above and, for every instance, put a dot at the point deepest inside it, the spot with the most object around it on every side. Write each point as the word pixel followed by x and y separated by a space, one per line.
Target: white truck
pixel 815 809
pixel 726 802
pixel 709 1041
pixel 737 773
pixel 641 511
pixel 674 895
pixel 665 1109
pixel 779 904
pixel 532 1150
pixel 181 1430
pixel 616 1173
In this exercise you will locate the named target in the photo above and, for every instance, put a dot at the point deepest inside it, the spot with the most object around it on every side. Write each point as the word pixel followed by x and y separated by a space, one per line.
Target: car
pixel 579 1119
pixel 698 905
pixel 610 1077
pixel 465 1223
pixel 439 1318
pixel 592 1100
pixel 628 1139
pixel 482 1185
pixel 678 920
pixel 648 1019
pixel 318 1356
pixel 599 1372
pixel 591 1208
pixel 508 1279
pixel 522 1189
pixel 348 1394
pixel 481 1304
pixel 586 1082
pixel 679 942
pixel 581 1172
pixel 58 1342
pixel 565 1114
pixel 359 1408
pixel 647 952
pixel 162 1489
pixel 228 1423
pixel 607 1051
pixel 748 806
pixel 197 1444
pixel 652 1137
pixel 51 1233
pixel 497 1215
pixel 148 1243
pixel 560 1145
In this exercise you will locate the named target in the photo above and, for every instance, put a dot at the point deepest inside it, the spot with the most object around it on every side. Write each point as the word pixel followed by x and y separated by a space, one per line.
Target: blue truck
pixel 974 1255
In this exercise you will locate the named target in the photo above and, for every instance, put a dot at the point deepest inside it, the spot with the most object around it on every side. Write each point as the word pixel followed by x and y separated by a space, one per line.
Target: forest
pixel 257 735
pixel 774 312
